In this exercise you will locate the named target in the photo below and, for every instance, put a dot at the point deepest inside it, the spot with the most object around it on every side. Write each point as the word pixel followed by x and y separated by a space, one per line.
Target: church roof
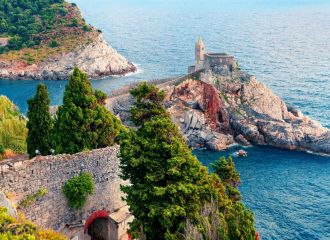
pixel 200 42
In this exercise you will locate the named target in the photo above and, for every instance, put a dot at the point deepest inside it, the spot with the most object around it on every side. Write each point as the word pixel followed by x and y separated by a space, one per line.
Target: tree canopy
pixel 40 124
pixel 171 195
pixel 83 123
pixel 229 176
pixel 28 23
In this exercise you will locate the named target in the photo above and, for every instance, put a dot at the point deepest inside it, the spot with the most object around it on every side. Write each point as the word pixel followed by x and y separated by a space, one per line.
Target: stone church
pixel 216 62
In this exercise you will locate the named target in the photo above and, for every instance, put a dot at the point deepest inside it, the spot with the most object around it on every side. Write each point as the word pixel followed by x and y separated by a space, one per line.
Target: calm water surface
pixel 286 44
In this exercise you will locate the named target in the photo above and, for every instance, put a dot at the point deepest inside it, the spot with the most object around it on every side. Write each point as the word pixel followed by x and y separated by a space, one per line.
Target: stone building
pixel 220 63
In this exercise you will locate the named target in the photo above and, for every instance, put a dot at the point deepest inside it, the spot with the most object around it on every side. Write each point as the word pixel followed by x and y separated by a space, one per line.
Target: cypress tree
pixel 168 184
pixel 82 123
pixel 229 176
pixel 171 195
pixel 40 124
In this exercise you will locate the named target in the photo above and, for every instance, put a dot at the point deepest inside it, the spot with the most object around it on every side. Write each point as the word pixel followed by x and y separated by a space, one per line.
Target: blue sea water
pixel 289 192
pixel 285 43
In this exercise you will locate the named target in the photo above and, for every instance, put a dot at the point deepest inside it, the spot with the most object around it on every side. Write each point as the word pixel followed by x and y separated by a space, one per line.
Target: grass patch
pixel 33 197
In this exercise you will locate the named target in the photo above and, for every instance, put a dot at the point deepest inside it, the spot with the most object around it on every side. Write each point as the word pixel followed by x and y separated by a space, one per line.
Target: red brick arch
pixel 94 216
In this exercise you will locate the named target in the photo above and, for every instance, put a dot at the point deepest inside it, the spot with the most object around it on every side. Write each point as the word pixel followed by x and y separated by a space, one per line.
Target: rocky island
pixel 217 105
pixel 50 39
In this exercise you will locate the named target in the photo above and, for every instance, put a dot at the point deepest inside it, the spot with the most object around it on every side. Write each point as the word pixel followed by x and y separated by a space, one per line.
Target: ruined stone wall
pixel 20 178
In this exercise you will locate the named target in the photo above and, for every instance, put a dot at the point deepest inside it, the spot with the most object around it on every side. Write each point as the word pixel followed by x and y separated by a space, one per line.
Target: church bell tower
pixel 199 54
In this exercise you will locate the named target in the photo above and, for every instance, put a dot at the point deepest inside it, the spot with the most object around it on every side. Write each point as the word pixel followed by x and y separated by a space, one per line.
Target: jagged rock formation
pixel 219 110
pixel 201 116
pixel 97 59
pixel 241 109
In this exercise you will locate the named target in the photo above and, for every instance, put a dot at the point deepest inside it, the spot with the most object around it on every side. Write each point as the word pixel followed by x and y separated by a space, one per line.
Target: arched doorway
pixel 97 226
pixel 98 230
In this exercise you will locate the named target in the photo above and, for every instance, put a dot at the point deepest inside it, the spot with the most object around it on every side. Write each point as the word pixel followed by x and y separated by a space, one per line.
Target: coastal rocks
pixel 240 139
pixel 207 123
pixel 217 111
pixel 243 110
pixel 219 142
pixel 204 97
pixel 97 59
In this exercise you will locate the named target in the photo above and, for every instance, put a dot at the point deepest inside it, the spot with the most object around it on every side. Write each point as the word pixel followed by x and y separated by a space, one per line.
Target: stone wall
pixel 20 178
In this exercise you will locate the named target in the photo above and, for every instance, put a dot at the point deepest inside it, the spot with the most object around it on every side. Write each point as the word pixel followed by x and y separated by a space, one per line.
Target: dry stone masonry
pixel 24 177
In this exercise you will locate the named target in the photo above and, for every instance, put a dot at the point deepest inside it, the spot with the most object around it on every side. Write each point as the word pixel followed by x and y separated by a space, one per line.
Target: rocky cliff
pixel 97 59
pixel 217 111
pixel 221 110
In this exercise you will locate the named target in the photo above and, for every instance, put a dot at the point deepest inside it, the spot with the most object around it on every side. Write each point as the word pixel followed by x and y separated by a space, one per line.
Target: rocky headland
pixel 56 39
pixel 97 58
pixel 218 109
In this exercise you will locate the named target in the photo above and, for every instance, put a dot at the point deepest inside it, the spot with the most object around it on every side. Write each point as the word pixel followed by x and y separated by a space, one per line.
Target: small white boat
pixel 240 153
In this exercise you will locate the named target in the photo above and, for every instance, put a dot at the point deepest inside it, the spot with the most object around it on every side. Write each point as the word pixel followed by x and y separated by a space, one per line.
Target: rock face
pixel 238 108
pixel 221 109
pixel 200 108
pixel 97 59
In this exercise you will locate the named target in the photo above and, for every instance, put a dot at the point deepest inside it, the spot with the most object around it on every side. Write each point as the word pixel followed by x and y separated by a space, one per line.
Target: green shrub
pixel 53 44
pixel 77 189
pixel 100 96
pixel 28 21
pixel 33 197
pixel 21 229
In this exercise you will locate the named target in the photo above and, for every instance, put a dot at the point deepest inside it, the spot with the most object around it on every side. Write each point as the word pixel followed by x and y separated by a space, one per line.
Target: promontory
pixel 217 105
pixel 45 40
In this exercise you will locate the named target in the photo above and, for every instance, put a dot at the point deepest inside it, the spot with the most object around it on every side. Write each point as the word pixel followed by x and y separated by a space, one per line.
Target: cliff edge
pixel 97 58
pixel 220 110
pixel 45 40
pixel 217 110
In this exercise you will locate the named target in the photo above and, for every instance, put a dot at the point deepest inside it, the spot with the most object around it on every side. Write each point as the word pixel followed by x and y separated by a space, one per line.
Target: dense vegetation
pixel 77 189
pixel 13 130
pixel 171 195
pixel 20 229
pixel 229 176
pixel 40 124
pixel 83 117
pixel 28 22
pixel 82 122
pixel 34 23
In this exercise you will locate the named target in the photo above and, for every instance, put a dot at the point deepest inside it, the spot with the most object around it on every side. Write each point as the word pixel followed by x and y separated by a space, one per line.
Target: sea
pixel 284 43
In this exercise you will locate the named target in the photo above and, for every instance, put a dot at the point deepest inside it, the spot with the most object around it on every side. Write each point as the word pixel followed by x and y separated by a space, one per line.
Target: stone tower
pixel 199 54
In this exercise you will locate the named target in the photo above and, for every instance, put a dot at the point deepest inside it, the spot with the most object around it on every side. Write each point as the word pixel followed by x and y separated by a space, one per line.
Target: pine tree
pixel 40 124
pixel 167 181
pixel 149 103
pixel 171 195
pixel 229 176
pixel 82 123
